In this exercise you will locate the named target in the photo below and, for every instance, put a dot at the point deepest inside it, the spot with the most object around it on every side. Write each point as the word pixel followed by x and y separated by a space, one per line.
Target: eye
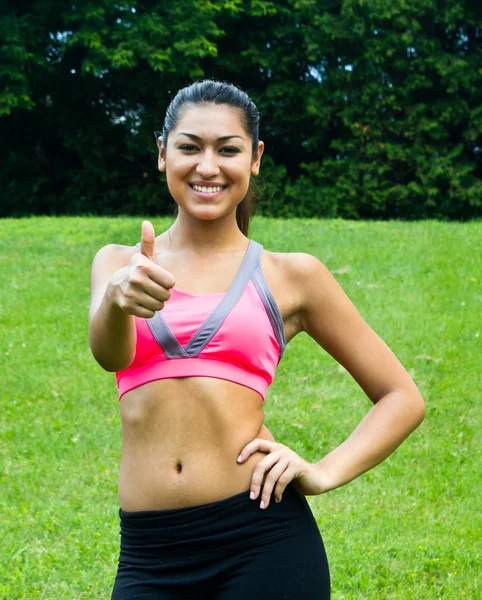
pixel 230 150
pixel 188 148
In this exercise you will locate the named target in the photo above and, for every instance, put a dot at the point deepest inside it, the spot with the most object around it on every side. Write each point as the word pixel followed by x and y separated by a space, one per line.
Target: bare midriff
pixel 180 441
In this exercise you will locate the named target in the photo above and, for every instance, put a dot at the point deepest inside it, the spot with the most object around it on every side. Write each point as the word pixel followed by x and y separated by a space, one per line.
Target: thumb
pixel 148 239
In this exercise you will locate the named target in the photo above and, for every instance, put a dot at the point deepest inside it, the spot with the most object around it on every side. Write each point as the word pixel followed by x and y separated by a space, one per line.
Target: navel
pixel 178 467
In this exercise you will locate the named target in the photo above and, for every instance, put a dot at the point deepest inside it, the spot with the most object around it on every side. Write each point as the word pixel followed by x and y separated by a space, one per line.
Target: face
pixel 209 160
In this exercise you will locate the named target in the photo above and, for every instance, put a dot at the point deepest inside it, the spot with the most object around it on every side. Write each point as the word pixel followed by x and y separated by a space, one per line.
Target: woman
pixel 194 322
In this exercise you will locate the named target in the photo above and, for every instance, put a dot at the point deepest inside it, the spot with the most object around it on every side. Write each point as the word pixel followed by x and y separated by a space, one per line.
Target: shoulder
pixel 287 265
pixel 298 264
pixel 288 260
pixel 316 288
pixel 297 267
pixel 296 271
pixel 112 257
pixel 114 253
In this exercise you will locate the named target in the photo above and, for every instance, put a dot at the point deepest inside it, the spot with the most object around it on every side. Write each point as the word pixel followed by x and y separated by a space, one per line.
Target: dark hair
pixel 218 92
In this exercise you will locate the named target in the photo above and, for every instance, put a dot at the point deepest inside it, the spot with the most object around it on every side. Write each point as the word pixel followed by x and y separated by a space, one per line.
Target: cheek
pixel 177 173
pixel 237 170
pixel 179 166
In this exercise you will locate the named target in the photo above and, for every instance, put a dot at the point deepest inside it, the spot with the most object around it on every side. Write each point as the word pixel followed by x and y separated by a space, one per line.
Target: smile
pixel 208 190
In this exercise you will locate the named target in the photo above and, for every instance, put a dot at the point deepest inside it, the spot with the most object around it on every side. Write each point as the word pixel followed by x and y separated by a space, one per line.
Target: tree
pixel 368 109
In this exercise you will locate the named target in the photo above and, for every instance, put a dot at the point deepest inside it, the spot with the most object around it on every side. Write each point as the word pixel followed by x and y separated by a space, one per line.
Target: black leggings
pixel 226 550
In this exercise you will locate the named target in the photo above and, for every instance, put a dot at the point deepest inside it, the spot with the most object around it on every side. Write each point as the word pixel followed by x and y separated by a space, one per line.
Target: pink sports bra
pixel 237 336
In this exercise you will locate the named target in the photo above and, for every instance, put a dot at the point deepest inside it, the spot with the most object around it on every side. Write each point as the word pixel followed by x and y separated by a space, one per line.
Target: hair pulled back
pixel 218 92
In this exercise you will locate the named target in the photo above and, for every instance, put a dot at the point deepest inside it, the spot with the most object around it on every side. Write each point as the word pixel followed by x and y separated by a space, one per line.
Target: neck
pixel 204 238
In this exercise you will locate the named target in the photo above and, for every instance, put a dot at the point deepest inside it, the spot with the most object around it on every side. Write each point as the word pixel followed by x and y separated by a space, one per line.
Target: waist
pixel 210 528
pixel 167 483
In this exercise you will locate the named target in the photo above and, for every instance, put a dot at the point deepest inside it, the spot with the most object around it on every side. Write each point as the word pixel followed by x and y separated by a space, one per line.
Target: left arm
pixel 381 431
pixel 331 319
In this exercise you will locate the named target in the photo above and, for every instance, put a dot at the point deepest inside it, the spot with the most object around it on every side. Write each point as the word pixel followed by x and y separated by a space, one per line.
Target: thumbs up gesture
pixel 142 287
pixel 148 239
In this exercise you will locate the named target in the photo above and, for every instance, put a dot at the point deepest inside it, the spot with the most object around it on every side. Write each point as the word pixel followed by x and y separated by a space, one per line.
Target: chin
pixel 204 213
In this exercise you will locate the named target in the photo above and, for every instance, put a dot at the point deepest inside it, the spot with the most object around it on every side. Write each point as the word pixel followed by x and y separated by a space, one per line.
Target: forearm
pixel 112 335
pixel 382 430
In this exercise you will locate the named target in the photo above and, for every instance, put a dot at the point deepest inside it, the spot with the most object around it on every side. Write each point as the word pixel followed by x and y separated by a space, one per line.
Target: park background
pixel 372 118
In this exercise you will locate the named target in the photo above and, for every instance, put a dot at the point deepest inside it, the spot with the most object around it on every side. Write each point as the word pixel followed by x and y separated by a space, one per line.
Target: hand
pixel 142 287
pixel 283 465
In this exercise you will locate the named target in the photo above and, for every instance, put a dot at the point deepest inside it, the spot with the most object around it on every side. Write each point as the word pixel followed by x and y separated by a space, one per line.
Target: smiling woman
pixel 194 322
pixel 195 154
pixel 237 120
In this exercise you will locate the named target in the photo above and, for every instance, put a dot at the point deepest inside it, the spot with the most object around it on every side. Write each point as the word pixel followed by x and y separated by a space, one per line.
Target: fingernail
pixel 252 495
pixel 239 458
pixel 262 504
pixel 276 500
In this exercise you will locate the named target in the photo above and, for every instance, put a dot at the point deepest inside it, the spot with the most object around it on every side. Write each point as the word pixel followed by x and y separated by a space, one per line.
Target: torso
pixel 181 436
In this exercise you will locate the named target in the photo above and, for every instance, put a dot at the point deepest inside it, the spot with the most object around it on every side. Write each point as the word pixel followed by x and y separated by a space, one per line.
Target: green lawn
pixel 410 528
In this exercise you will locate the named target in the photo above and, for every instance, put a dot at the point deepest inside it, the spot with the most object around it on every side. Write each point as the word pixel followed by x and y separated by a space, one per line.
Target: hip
pixel 229 549
pixel 212 528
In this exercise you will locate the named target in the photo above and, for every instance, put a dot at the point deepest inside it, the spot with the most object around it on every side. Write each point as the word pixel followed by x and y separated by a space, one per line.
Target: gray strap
pixel 271 307
pixel 161 331
pixel 206 332
pixel 164 337
pixel 231 298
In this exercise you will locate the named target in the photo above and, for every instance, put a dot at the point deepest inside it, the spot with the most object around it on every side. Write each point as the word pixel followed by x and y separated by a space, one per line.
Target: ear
pixel 257 160
pixel 161 159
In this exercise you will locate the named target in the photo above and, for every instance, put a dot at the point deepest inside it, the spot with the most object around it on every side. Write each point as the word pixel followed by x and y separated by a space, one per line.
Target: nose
pixel 207 166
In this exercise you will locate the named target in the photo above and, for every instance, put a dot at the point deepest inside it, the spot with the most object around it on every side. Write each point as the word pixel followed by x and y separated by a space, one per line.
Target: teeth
pixel 207 190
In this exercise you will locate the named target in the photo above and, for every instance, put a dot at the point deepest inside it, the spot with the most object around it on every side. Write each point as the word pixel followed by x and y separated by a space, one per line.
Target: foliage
pixel 369 109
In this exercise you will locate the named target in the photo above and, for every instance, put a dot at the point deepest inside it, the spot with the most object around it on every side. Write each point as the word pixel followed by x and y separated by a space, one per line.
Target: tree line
pixel 369 109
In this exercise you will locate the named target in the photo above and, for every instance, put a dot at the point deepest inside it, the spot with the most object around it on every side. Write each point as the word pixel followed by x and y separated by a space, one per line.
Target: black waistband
pixel 210 528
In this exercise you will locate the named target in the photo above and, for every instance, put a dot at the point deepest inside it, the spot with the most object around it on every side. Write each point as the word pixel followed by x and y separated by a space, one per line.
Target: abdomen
pixel 180 441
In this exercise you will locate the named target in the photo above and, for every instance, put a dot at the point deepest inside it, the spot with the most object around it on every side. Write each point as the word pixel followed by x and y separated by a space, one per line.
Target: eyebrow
pixel 221 139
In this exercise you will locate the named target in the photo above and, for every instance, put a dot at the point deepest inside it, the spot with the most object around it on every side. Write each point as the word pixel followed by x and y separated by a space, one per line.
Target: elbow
pixel 110 364
pixel 416 402
pixel 419 409
pixel 111 367
pixel 423 410
pixel 108 361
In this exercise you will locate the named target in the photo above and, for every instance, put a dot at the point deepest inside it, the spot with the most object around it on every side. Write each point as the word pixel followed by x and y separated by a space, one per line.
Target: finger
pixel 273 476
pixel 148 239
pixel 148 302
pixel 255 445
pixel 144 313
pixel 139 311
pixel 161 276
pixel 140 305
pixel 283 480
pixel 147 286
pixel 158 275
pixel 260 471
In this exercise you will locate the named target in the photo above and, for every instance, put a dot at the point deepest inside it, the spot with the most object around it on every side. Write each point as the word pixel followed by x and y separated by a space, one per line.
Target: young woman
pixel 194 322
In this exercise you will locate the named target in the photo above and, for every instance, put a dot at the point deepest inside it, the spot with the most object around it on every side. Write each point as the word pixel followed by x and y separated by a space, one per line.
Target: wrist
pixel 110 296
pixel 325 481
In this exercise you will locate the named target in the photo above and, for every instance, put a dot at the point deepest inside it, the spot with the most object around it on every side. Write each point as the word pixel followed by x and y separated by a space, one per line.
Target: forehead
pixel 211 120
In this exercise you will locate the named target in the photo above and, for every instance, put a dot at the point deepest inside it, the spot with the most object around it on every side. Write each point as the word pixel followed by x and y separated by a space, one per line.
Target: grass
pixel 408 529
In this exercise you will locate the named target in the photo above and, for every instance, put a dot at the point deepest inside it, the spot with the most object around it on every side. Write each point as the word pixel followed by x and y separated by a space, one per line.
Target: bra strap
pixel 164 336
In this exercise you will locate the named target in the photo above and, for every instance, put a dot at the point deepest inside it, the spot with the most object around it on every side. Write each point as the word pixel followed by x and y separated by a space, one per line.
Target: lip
pixel 207 195
pixel 208 183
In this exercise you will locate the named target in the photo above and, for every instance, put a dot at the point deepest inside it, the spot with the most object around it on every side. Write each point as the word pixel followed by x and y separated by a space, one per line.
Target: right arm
pixel 112 334
pixel 124 284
